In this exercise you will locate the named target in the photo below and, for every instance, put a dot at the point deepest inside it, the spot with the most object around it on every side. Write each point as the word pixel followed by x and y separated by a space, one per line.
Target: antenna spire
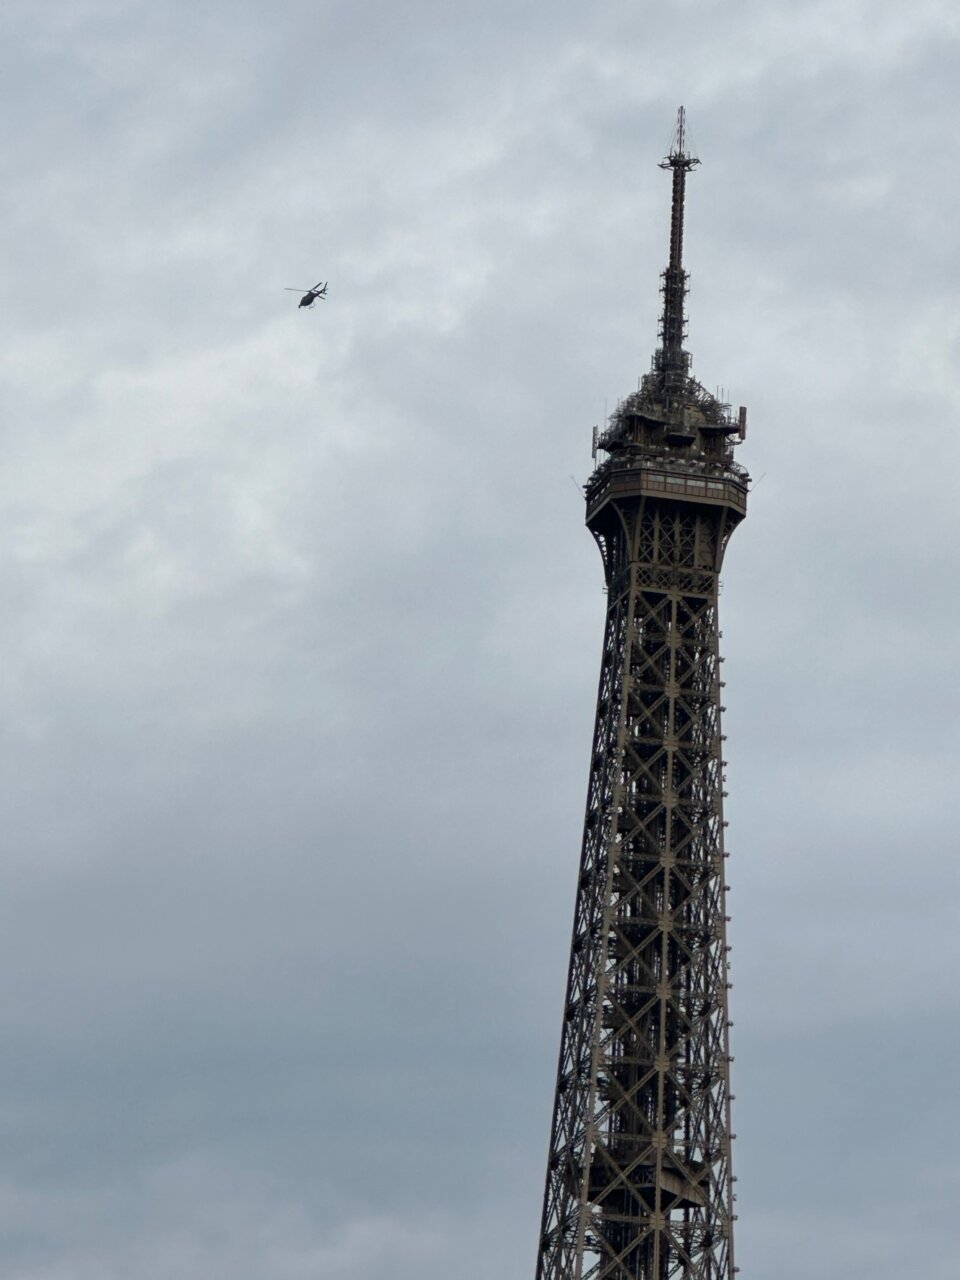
pixel 671 360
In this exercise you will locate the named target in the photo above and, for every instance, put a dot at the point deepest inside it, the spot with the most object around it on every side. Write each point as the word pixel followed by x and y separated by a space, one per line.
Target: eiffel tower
pixel 639 1183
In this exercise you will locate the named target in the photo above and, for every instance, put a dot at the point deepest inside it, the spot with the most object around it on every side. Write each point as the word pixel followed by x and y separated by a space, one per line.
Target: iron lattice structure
pixel 639 1183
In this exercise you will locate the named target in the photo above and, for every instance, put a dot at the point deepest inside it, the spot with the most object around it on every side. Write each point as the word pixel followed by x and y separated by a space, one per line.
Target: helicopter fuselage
pixel 311 295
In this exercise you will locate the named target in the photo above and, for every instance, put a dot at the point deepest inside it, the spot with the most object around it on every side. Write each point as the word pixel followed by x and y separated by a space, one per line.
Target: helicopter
pixel 310 296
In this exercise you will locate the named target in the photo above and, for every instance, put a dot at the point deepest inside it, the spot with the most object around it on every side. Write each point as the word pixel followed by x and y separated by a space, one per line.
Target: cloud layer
pixel 300 624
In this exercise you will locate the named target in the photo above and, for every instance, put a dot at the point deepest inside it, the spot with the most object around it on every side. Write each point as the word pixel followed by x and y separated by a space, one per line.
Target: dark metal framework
pixel 639 1184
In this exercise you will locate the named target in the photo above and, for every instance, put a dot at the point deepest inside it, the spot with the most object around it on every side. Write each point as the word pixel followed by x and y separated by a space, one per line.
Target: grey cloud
pixel 300 624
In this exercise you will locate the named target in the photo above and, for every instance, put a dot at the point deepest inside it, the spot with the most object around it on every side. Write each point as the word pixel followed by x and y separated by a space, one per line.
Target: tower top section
pixel 672 419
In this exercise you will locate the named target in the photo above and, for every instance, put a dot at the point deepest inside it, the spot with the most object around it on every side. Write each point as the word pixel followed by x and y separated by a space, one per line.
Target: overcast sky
pixel 299 623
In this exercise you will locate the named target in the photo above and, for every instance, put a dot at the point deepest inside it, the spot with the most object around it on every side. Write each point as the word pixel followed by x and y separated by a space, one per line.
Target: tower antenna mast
pixel 671 361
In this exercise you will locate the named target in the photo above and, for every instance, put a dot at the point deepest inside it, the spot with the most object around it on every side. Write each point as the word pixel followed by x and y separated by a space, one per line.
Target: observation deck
pixel 651 478
pixel 680 452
